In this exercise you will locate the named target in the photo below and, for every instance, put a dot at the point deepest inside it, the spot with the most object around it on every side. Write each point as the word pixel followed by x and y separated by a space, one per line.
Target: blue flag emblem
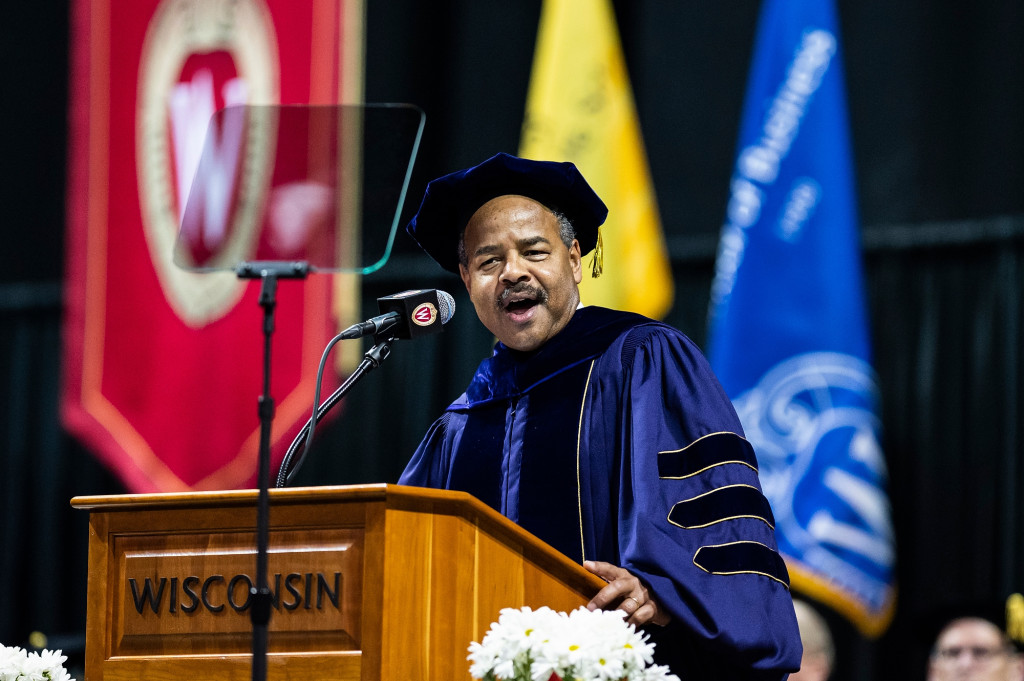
pixel 789 336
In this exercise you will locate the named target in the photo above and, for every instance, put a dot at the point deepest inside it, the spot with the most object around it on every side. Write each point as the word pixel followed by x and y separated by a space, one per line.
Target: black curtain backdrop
pixel 936 94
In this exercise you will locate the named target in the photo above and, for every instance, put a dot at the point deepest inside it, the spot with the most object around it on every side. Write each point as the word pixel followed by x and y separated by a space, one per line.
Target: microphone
pixel 408 314
pixel 414 313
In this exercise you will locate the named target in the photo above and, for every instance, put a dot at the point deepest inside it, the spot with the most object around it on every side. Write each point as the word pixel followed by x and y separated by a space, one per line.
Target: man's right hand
pixel 625 592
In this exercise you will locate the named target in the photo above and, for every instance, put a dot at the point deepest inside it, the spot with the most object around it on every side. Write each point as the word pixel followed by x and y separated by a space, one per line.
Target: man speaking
pixel 602 432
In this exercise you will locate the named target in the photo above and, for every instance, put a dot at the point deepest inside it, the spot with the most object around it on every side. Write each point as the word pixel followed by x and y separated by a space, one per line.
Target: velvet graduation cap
pixel 450 201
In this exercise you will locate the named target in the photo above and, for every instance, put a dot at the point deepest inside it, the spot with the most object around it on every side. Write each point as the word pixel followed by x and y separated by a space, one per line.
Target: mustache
pixel 534 292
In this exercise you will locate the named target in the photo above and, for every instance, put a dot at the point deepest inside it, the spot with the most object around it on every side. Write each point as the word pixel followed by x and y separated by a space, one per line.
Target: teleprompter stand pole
pixel 260 602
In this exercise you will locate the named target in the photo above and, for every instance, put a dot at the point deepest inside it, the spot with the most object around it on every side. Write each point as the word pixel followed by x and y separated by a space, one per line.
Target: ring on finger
pixel 630 598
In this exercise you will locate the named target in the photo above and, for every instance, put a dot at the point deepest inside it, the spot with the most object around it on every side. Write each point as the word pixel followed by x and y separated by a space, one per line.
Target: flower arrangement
pixel 544 645
pixel 19 665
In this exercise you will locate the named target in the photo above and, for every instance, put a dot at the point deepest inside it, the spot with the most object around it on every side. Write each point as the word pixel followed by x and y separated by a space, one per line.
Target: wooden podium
pixel 370 583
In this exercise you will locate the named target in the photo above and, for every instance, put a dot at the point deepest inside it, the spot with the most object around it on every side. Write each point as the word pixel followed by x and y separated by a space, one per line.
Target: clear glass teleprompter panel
pixel 317 185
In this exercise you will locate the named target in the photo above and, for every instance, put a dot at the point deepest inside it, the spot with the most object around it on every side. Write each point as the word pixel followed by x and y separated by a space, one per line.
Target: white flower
pixel 658 672
pixel 11 662
pixel 18 665
pixel 584 645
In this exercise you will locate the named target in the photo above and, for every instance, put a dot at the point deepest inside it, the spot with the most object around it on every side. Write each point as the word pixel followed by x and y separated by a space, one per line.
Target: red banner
pixel 163 367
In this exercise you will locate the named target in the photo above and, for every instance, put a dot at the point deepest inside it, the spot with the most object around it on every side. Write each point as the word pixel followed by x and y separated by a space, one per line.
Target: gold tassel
pixel 597 263
pixel 1015 618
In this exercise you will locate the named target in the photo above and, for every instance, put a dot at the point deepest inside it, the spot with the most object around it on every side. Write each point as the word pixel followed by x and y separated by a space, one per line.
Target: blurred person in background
pixel 819 652
pixel 976 647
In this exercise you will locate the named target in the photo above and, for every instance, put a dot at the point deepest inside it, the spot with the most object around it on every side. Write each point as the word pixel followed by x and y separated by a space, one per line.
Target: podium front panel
pixel 190 593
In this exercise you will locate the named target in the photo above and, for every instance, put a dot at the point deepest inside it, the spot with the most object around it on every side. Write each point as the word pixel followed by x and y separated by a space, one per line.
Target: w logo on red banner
pixel 162 365
pixel 188 70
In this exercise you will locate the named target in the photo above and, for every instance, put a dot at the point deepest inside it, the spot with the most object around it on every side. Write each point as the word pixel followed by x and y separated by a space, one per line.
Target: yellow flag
pixel 580 108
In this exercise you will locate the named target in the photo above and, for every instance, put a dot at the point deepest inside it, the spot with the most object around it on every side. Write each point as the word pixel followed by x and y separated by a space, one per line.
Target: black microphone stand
pixel 268 273
pixel 372 359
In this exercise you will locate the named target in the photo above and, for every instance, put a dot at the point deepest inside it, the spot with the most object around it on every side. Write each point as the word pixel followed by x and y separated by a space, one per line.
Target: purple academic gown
pixel 615 442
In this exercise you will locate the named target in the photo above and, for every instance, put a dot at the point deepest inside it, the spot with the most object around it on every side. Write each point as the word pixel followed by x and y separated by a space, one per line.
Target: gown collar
pixel 509 373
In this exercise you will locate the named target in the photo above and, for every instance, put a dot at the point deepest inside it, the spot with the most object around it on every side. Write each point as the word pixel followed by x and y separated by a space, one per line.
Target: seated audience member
pixel 819 652
pixel 974 647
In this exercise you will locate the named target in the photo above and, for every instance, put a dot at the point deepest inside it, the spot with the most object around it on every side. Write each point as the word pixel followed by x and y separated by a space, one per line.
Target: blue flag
pixel 788 325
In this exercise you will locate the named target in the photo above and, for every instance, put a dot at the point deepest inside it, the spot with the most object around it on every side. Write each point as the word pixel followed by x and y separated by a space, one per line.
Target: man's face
pixel 520 276
pixel 973 650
